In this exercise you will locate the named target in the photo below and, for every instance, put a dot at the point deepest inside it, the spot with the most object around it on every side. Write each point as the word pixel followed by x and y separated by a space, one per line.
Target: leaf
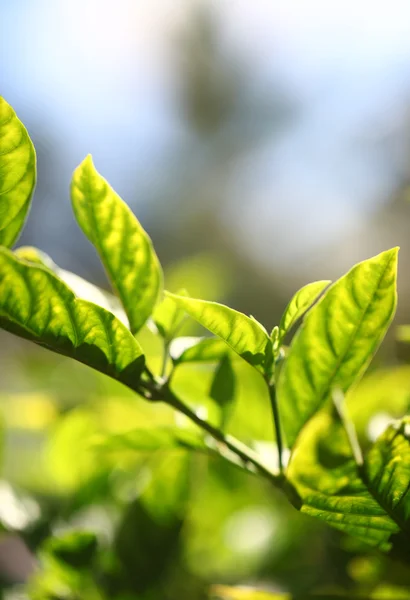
pixel 168 316
pixel 337 340
pixel 225 592
pixel 38 306
pixel 223 388
pixel 153 440
pixel 299 304
pixel 328 482
pixel 243 334
pixel 387 468
pixel 76 549
pixel 370 501
pixel 148 540
pixel 17 174
pixel 197 349
pixel 124 247
pixel 81 287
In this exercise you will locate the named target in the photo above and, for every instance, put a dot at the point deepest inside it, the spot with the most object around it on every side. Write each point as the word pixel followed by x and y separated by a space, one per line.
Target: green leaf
pixel 17 174
pixel 387 468
pixel 197 349
pixel 337 340
pixel 301 301
pixel 146 439
pixel 330 487
pixel 76 549
pixel 225 592
pixel 243 334
pixel 168 316
pixel 37 305
pixel 81 287
pixel 124 247
pixel 223 388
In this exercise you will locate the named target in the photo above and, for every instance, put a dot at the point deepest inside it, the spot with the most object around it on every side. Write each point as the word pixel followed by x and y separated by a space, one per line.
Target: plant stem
pixel 234 445
pixel 276 423
pixel 338 402
pixel 165 357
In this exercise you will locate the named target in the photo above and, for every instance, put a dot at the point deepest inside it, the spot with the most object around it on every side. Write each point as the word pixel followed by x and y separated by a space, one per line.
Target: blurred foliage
pixel 129 522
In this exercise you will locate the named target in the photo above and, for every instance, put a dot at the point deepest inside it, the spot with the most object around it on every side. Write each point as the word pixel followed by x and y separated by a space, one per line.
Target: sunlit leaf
pixel 387 468
pixel 196 349
pixel 168 316
pixel 17 174
pixel 225 592
pixel 81 287
pixel 330 487
pixel 38 306
pixel 337 340
pixel 124 247
pixel 370 501
pixel 299 304
pixel 244 335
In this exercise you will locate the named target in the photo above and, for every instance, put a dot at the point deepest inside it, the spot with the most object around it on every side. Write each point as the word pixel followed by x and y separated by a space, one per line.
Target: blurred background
pixel 262 145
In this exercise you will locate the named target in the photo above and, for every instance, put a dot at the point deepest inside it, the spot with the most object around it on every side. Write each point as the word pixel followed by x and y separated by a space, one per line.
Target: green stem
pixel 165 357
pixel 234 445
pixel 339 404
pixel 276 423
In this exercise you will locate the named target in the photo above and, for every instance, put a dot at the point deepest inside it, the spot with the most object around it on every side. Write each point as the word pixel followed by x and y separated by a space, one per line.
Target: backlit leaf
pixel 197 349
pixel 225 592
pixel 387 468
pixel 243 334
pixel 17 174
pixel 124 247
pixel 337 340
pixel 81 287
pixel 299 304
pixel 153 440
pixel 37 305
pixel 369 501
pixel 327 479
pixel 168 316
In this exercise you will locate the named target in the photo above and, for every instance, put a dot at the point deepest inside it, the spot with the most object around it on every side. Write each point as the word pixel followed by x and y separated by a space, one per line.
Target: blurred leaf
pixel 204 275
pixel 224 592
pixel 76 549
pixel 223 388
pixel 337 340
pixel 153 440
pixel 299 304
pixel 17 174
pixel 81 287
pixel 124 247
pixel 244 335
pixel 38 306
pixel 197 349
pixel 403 333
pixel 167 316
pixel 148 539
pixel 384 393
